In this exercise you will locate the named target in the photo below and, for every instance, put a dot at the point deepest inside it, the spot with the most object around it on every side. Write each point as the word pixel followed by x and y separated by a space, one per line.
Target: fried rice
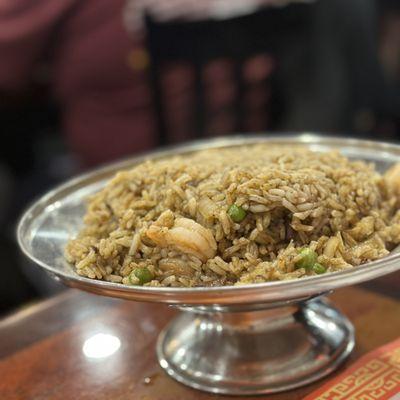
pixel 240 215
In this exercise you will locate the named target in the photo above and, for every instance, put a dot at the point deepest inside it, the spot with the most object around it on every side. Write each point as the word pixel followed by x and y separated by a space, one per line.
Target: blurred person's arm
pixel 26 30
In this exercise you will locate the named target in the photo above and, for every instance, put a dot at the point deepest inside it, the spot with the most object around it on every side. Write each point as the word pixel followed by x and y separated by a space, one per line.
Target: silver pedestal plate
pixel 260 338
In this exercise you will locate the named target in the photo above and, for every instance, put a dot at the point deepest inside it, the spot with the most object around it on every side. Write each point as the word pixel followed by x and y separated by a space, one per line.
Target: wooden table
pixel 41 346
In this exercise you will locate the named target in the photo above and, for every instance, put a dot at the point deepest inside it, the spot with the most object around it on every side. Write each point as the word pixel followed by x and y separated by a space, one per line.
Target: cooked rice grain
pixel 171 216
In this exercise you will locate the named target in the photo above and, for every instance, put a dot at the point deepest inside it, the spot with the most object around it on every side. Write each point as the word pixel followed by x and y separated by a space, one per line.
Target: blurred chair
pixel 218 76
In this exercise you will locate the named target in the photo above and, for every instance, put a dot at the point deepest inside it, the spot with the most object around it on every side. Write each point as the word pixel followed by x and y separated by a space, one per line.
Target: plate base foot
pixel 255 352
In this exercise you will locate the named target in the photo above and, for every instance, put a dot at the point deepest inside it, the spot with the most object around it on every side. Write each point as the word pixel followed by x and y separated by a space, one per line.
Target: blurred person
pixel 88 57
pixel 91 54
pixel 82 49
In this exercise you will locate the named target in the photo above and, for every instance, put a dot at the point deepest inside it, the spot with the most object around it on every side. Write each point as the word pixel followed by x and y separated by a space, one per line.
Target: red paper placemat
pixel 374 376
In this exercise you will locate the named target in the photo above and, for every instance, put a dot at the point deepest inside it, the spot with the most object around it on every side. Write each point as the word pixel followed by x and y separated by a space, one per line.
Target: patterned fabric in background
pixel 375 376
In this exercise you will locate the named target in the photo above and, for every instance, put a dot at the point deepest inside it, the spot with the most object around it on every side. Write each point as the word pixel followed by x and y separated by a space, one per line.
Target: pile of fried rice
pixel 239 215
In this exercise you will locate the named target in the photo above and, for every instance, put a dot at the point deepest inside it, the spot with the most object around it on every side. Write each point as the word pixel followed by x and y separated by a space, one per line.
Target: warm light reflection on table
pixel 101 345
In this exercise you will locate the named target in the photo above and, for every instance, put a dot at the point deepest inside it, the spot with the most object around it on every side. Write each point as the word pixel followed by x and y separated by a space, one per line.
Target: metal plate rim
pixel 224 295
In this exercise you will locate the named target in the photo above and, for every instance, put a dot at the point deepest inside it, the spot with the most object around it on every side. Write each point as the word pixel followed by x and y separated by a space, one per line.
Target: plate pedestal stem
pixel 244 351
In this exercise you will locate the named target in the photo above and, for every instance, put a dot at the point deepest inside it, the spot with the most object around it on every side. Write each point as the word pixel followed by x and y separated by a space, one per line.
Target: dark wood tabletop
pixel 42 353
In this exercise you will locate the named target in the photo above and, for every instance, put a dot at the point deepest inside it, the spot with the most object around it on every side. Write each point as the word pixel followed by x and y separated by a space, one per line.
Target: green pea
pixel 319 268
pixel 236 213
pixel 308 258
pixel 143 274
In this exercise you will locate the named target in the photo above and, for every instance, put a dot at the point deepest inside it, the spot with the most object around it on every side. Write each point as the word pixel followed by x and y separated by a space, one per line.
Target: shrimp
pixel 186 236
pixel 177 266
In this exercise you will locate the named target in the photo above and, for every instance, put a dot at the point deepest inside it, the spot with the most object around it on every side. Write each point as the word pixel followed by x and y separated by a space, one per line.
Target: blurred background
pixel 85 82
